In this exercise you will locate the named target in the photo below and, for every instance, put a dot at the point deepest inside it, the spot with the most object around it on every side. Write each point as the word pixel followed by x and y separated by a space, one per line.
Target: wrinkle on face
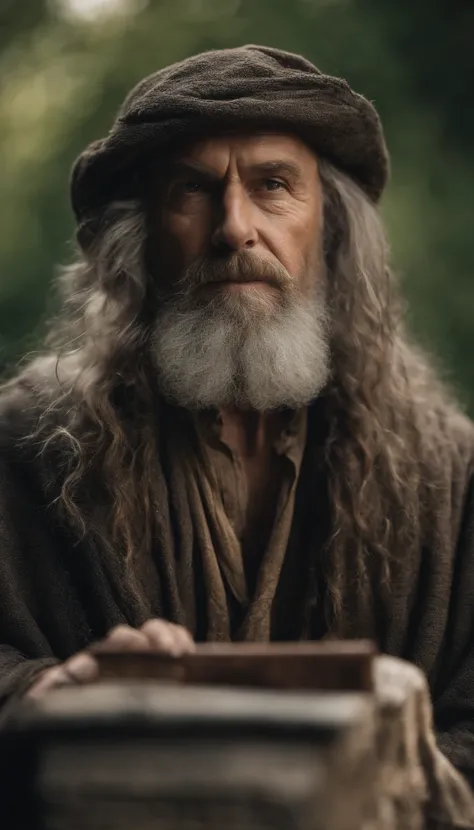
pixel 258 192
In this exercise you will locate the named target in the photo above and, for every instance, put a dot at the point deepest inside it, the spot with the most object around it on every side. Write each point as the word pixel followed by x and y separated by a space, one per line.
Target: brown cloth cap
pixel 247 87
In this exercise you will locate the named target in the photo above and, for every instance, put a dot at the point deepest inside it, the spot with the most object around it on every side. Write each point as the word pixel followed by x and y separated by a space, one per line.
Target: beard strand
pixel 245 351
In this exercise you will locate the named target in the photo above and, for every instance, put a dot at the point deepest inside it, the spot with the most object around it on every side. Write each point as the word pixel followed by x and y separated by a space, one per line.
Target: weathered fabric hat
pixel 248 87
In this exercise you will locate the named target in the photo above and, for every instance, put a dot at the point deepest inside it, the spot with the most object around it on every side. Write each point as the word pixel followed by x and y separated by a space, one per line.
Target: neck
pixel 249 432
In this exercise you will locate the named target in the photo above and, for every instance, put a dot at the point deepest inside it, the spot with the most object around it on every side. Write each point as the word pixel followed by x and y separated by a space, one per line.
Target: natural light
pixel 91 10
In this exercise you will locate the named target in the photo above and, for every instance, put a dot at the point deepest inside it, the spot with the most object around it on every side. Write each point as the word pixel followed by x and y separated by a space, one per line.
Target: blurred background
pixel 65 66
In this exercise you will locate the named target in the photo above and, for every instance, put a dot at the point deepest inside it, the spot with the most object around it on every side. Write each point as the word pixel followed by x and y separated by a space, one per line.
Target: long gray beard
pixel 229 352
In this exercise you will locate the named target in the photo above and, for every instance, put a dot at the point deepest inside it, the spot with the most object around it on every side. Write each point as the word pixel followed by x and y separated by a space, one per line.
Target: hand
pixel 154 635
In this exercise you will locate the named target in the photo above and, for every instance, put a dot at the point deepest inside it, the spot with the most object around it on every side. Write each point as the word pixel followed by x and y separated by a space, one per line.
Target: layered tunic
pixel 60 592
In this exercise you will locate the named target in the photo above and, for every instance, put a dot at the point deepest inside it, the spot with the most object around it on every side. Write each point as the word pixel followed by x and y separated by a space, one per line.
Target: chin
pixel 255 299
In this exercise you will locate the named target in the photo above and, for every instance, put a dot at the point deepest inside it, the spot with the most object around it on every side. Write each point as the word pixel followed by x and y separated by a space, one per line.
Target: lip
pixel 240 284
pixel 246 284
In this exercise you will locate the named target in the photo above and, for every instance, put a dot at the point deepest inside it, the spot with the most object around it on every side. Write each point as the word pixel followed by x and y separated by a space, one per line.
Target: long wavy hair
pixel 385 411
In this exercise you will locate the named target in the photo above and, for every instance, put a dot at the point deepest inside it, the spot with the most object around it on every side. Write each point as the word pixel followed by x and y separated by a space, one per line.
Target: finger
pixel 50 679
pixel 125 638
pixel 162 637
pixel 81 668
pixel 185 639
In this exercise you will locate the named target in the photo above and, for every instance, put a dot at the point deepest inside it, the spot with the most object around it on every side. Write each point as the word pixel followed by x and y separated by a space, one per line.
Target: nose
pixel 236 229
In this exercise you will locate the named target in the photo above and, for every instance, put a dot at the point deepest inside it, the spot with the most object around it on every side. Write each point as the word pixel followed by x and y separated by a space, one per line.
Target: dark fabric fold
pixel 59 593
pixel 17 675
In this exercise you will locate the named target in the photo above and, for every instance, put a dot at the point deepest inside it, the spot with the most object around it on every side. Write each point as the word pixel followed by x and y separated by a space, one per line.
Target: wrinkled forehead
pixel 245 148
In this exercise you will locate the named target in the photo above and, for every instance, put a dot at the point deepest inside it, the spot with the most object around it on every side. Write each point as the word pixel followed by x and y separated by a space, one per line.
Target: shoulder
pixel 18 414
pixel 447 476
pixel 20 410
pixel 26 414
pixel 30 466
pixel 457 450
pixel 26 402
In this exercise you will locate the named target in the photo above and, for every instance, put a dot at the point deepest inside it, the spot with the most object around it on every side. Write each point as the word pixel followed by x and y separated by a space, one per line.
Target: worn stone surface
pixel 418 787
pixel 117 756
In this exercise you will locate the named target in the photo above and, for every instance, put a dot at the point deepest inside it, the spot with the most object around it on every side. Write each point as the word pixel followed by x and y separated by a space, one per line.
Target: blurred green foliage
pixel 63 78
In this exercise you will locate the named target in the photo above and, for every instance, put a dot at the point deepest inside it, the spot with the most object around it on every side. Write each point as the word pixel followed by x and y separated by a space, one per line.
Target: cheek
pixel 186 236
pixel 307 239
pixel 296 246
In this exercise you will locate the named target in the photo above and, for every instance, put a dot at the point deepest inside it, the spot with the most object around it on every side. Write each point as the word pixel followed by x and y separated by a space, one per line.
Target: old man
pixel 228 434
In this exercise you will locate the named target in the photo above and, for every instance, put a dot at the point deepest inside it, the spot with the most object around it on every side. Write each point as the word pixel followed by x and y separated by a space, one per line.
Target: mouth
pixel 241 284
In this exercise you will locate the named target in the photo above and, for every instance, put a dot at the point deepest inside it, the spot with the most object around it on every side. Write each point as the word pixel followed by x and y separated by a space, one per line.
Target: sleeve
pixel 24 649
pixel 17 674
pixel 453 691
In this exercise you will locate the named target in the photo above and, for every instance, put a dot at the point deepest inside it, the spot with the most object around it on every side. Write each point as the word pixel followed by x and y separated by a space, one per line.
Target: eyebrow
pixel 267 168
pixel 278 167
pixel 183 166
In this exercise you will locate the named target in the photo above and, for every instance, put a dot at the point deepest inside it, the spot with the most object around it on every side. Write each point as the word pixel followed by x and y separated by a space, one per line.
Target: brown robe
pixel 58 594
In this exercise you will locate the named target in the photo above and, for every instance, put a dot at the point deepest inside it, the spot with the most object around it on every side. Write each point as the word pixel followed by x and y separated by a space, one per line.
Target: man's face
pixel 236 227
pixel 256 195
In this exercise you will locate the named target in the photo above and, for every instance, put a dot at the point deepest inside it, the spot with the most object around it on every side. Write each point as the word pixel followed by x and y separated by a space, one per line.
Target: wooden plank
pixel 325 666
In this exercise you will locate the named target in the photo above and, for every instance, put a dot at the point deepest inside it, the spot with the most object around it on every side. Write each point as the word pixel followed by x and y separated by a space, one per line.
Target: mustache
pixel 238 267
